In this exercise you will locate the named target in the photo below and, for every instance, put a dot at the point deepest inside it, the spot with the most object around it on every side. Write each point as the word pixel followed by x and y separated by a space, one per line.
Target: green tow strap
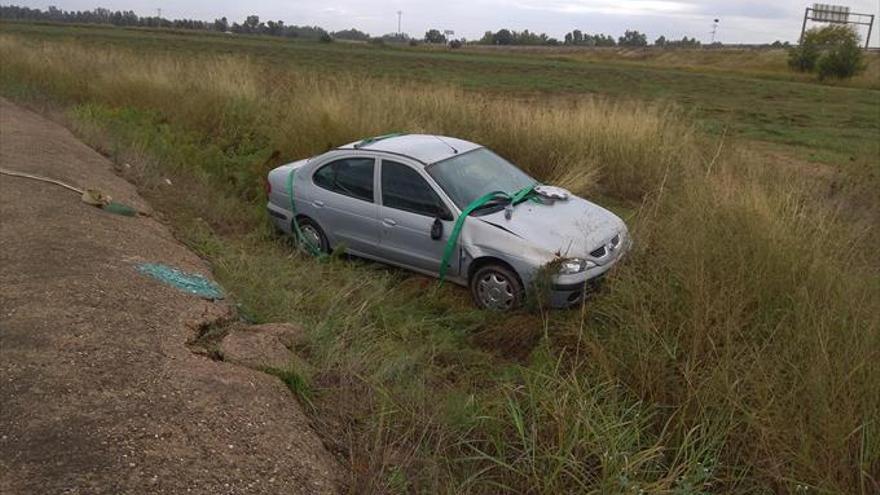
pixel 515 199
pixel 300 238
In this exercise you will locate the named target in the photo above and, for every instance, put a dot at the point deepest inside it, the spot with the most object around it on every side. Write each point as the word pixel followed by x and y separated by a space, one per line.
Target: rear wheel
pixel 312 235
pixel 497 288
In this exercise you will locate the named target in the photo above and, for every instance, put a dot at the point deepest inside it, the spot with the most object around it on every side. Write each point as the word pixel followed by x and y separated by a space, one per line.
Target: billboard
pixel 837 14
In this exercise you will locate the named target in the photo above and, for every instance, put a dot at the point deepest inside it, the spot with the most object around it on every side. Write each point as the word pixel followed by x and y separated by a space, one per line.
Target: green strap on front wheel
pixel 452 242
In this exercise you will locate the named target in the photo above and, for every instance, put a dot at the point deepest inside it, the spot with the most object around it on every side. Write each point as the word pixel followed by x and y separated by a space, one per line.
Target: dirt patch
pixel 261 346
pixel 100 392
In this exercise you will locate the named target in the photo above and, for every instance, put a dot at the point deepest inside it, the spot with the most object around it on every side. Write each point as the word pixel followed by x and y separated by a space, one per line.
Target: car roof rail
pixel 375 139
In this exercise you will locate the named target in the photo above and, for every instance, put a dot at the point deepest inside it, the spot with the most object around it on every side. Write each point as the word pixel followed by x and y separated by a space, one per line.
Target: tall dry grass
pixel 245 103
pixel 736 350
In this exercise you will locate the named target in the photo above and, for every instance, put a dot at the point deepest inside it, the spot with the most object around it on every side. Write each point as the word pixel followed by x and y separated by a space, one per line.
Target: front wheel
pixel 497 288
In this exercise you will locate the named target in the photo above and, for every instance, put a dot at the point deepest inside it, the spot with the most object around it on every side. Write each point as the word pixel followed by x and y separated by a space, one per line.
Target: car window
pixel 349 176
pixel 468 176
pixel 404 189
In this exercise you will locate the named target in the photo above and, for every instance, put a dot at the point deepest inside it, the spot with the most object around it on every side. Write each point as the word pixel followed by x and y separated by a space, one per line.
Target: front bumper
pixel 569 290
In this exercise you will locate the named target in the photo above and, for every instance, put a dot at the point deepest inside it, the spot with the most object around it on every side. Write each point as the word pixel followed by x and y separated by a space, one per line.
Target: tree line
pixel 253 25
pixel 250 25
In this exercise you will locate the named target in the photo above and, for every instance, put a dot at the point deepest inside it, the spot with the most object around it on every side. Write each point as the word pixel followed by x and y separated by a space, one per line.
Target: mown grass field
pixel 736 351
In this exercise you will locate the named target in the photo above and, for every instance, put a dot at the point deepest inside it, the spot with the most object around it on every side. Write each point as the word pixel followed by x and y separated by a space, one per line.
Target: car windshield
pixel 470 175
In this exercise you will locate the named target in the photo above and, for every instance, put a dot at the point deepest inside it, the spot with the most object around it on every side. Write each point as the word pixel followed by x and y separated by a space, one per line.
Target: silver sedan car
pixel 452 209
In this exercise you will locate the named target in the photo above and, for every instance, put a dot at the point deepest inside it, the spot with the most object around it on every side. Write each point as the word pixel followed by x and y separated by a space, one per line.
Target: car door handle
pixel 389 222
pixel 318 203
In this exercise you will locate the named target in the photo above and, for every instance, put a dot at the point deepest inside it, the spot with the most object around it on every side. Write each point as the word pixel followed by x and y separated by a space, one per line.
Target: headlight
pixel 574 265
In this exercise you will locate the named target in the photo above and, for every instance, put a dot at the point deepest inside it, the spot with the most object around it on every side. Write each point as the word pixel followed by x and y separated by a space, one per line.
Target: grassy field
pixel 736 351
pixel 754 62
pixel 832 124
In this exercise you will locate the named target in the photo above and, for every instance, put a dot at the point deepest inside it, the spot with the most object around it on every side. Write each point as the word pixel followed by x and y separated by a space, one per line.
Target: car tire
pixel 496 287
pixel 313 232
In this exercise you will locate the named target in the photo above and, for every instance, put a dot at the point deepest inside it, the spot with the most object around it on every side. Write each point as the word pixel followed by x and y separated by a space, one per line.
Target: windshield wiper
pixel 494 203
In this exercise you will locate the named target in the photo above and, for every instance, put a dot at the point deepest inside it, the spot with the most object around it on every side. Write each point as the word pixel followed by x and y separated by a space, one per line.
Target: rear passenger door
pixel 407 210
pixel 344 203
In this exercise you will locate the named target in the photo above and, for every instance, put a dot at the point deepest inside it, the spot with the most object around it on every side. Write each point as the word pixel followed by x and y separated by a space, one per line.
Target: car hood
pixel 569 228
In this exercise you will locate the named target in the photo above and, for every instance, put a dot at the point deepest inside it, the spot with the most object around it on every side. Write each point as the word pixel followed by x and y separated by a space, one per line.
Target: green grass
pixel 735 351
pixel 826 123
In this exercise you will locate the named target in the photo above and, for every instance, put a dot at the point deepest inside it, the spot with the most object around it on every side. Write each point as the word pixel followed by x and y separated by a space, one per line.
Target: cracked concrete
pixel 99 392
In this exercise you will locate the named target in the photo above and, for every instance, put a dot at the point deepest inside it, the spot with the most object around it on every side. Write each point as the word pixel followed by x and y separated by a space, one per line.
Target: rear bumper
pixel 280 217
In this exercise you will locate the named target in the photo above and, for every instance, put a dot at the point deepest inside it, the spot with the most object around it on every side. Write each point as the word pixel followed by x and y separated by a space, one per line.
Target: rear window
pixel 349 176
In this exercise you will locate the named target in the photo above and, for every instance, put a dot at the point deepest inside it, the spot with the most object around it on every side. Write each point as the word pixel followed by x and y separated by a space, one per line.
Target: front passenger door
pixel 407 211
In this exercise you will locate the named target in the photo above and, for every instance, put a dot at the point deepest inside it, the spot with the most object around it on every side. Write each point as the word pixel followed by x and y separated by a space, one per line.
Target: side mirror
pixel 437 229
pixel 443 213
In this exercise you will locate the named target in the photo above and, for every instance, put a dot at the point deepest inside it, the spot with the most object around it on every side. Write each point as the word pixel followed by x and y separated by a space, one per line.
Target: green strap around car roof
pixel 515 198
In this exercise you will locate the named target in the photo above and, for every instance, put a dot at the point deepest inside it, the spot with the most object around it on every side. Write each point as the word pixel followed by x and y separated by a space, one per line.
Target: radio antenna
pixel 447 144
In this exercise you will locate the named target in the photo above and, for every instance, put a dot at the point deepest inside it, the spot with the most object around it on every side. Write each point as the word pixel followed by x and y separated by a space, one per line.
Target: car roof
pixel 426 148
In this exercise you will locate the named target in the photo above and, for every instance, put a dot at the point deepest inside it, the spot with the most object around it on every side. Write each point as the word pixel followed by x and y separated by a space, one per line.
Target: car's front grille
pixel 598 253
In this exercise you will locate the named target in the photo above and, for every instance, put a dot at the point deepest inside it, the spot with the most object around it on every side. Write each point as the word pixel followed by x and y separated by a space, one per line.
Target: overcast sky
pixel 741 21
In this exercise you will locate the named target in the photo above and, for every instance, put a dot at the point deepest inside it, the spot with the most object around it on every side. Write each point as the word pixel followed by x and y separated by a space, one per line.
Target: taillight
pixel 268 186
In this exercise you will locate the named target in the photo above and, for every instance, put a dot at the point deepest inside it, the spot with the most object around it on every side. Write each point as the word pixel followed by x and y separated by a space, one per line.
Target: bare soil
pixel 99 392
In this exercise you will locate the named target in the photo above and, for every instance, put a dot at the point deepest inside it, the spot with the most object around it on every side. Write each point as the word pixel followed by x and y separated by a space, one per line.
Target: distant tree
pixel 221 25
pixel 503 37
pixel 274 28
pixel 325 37
pixel 661 41
pixel 604 40
pixel 396 38
pixel 685 42
pixel 251 24
pixel 434 36
pixel 569 39
pixel 456 44
pixel 633 38
pixel 577 37
pixel 351 34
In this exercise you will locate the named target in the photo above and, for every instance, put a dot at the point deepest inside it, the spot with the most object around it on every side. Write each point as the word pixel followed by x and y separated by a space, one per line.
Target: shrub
pixel 455 44
pixel 833 51
pixel 841 61
pixel 803 58
pixel 325 37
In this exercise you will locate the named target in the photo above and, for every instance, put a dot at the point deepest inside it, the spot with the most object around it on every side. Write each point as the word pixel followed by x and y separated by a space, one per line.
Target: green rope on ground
pixel 515 199
pixel 92 197
pixel 119 209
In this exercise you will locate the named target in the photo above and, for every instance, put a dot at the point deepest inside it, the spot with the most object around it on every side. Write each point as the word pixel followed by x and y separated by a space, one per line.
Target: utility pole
pixel 714 30
pixel 399 14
